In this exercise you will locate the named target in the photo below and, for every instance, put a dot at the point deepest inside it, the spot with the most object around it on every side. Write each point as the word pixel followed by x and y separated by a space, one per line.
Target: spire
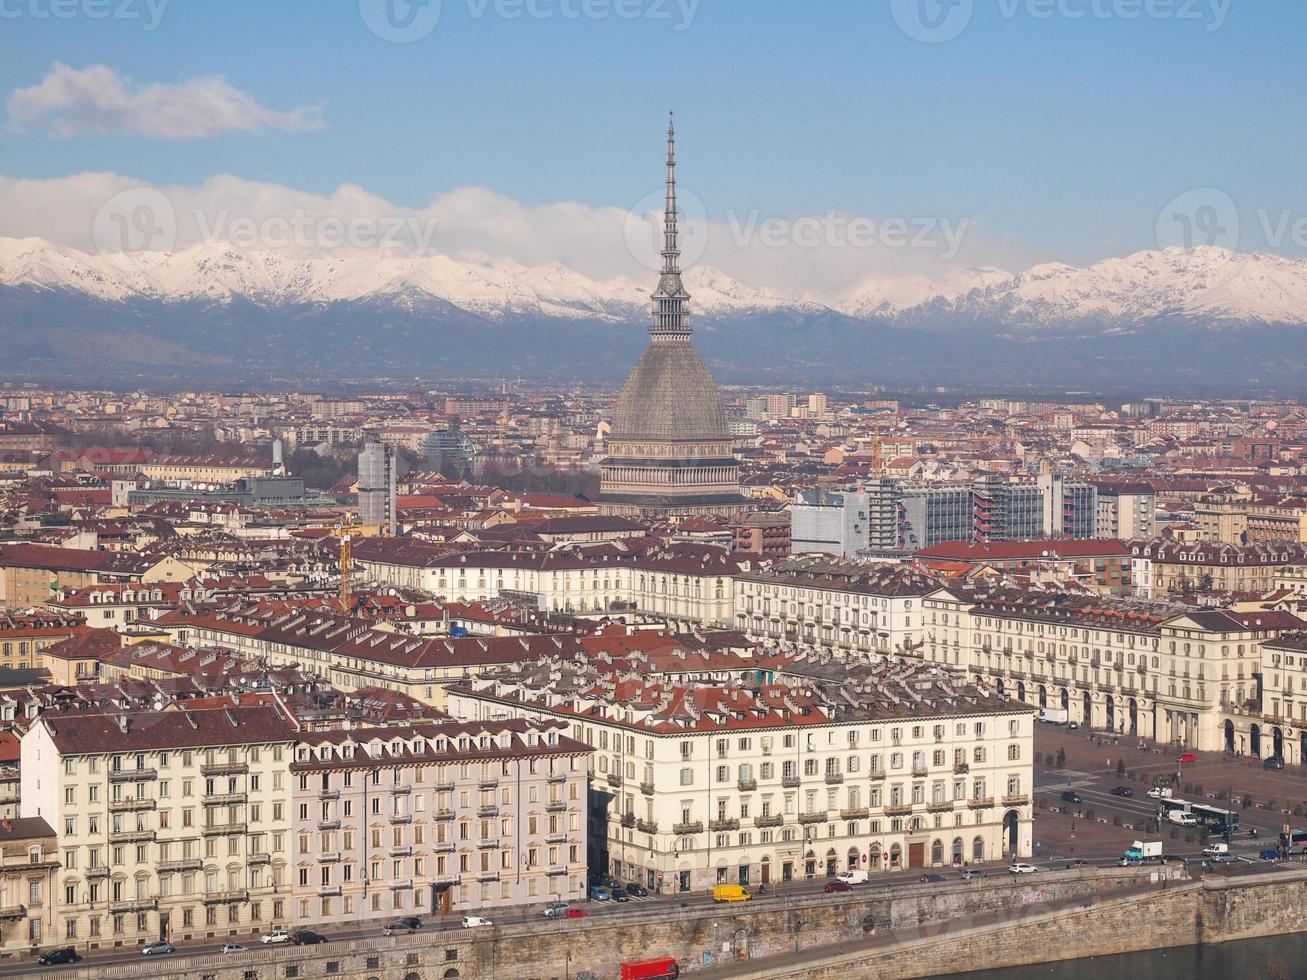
pixel 670 317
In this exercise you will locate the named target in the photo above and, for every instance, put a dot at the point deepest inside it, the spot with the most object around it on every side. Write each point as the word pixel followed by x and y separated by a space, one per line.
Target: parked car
pixel 556 910
pixel 1129 862
pixel 473 921
pixel 58 957
pixel 1223 859
pixel 1122 791
pixel 1186 758
pixel 235 948
pixel 575 914
pixel 276 936
pixel 400 926
pixel 410 922
pixel 854 876
pixel 1269 854
pixel 606 881
pixel 1077 863
pixel 1022 868
pixel 600 893
pixel 1071 796
pixel 619 895
pixel 971 874
pixel 638 891
pixel 307 937
pixel 835 885
pixel 931 878
pixel 161 948
pixel 1274 762
pixel 1161 792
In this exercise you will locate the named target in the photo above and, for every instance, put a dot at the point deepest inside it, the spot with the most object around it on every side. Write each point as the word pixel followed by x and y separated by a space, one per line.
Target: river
pixel 1278 958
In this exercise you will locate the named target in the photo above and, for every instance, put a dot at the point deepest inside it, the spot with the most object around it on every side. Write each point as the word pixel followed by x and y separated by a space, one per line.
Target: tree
pixel 1120 769
pixel 1061 757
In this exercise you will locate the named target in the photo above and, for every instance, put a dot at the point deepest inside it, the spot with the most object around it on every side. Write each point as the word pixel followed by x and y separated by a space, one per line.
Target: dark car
pixel 1071 796
pixel 307 937
pixel 931 878
pixel 1269 854
pixel 1274 762
pixel 410 922
pixel 58 957
pixel 1122 791
pixel 605 881
pixel 619 895
pixel 835 885
pixel 638 891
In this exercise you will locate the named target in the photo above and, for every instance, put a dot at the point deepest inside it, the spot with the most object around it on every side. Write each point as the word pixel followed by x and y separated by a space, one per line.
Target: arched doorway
pixel 1277 741
pixel 978 850
pixel 1110 707
pixel 874 856
pixel 852 858
pixel 1012 831
pixel 1089 711
pixel 937 852
pixel 1021 690
pixel 958 850
pixel 764 870
pixel 1255 740
pixel 1066 700
pixel 832 863
pixel 810 865
pixel 1229 735
pixel 895 856
pixel 1002 688
pixel 1134 717
pixel 1302 749
pixel 1043 696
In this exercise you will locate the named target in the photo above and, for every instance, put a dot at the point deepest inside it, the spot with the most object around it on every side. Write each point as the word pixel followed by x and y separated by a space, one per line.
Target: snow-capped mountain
pixel 877 296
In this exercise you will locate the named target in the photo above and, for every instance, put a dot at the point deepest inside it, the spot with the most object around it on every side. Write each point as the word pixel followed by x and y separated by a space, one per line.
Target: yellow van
pixel 730 893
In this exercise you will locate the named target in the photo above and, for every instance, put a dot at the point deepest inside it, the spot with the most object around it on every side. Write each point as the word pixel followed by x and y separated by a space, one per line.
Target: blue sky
pixel 1060 137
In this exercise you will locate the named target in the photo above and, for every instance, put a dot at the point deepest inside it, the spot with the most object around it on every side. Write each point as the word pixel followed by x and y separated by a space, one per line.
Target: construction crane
pixel 344 531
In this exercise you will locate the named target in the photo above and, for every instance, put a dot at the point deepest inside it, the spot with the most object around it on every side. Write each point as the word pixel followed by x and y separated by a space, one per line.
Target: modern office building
pixel 829 523
pixel 377 505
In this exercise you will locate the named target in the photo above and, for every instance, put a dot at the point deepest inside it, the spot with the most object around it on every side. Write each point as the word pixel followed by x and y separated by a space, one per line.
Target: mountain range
pixel 1175 316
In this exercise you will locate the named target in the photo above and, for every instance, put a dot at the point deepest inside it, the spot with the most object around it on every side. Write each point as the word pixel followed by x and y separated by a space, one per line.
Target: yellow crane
pixel 344 531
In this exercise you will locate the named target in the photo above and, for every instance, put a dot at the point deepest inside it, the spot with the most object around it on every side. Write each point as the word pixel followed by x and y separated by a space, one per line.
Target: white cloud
pixel 97 99
pixel 601 242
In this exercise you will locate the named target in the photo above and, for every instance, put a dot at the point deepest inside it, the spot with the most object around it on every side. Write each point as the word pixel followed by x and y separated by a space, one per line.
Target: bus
pixel 1217 819
pixel 1298 842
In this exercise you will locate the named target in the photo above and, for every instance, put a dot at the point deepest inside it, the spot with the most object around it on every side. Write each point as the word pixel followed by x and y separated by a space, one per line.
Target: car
pixel 473 921
pixel 600 893
pixel 1022 868
pixel 556 910
pixel 1274 762
pixel 307 937
pixel 1077 863
pixel 619 895
pixel 235 948
pixel 1223 859
pixel 1160 792
pixel 400 926
pixel 971 874
pixel 605 881
pixel 1073 726
pixel 1269 854
pixel 1129 862
pixel 161 948
pixel 1071 796
pixel 58 957
pixel 1186 758
pixel 931 878
pixel 275 937
pixel 1122 791
pixel 575 914
pixel 637 891
pixel 410 922
pixel 835 885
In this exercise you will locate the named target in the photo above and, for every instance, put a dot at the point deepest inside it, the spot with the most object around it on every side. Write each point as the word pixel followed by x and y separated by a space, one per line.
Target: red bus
pixel 662 968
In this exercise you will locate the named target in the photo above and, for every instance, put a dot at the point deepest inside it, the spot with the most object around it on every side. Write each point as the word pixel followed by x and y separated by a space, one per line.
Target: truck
pixel 659 968
pixel 1144 850
pixel 1053 716
pixel 730 893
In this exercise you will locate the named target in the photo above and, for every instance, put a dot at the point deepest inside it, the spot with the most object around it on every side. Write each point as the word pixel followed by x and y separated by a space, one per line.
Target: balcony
pixel 13 912
pixel 224 799
pixel 329 794
pixel 491 783
pixel 487 811
pixel 225 898
pixel 128 906
pixel 876 774
pixel 444 814
pixel 444 787
pixel 221 829
pixel 747 785
pixel 103 872
pixel 556 777
pixel 813 816
pixel 404 817
pixel 688 827
pixel 628 820
pixel 557 837
pixel 260 857
pixel 981 804
pixel 834 778
pixel 327 891
pixel 855 813
pixel 401 884
pixel 132 775
pixel 333 824
pixel 401 790
pixel 556 806
pixel 772 820
pixel 402 851
pixel 790 782
pixel 1016 799
pixel 555 872
pixel 329 857
pixel 940 806
pixel 920 771
pixel 131 837
pixel 647 789
pixel 613 779
pixel 725 823
pixel 445 878
pixel 446 847
pixel 961 768
pixel 224 769
pixel 128 806
pixel 647 826
pixel 488 845
pixel 898 809
pixel 487 876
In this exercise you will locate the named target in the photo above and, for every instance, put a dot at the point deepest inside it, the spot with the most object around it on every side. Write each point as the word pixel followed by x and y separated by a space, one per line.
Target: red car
pixel 575 914
pixel 1187 757
pixel 835 885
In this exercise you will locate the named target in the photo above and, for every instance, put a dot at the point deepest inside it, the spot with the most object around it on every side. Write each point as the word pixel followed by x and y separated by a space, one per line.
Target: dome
pixel 670 396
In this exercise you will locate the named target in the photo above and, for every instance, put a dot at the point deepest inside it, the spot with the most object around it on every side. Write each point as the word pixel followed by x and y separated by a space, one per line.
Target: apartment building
pixel 1159 671
pixel 1125 511
pixel 1160 567
pixel 437 818
pixel 696 786
pixel 829 523
pixel 29 864
pixel 170 824
pixel 1269 718
pixel 850 607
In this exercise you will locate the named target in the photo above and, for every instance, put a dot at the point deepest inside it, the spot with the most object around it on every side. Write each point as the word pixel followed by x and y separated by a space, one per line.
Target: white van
pixel 852 877
pixel 1182 819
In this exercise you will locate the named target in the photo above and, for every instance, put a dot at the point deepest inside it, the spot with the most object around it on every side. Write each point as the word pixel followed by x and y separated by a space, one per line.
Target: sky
pixel 820 143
